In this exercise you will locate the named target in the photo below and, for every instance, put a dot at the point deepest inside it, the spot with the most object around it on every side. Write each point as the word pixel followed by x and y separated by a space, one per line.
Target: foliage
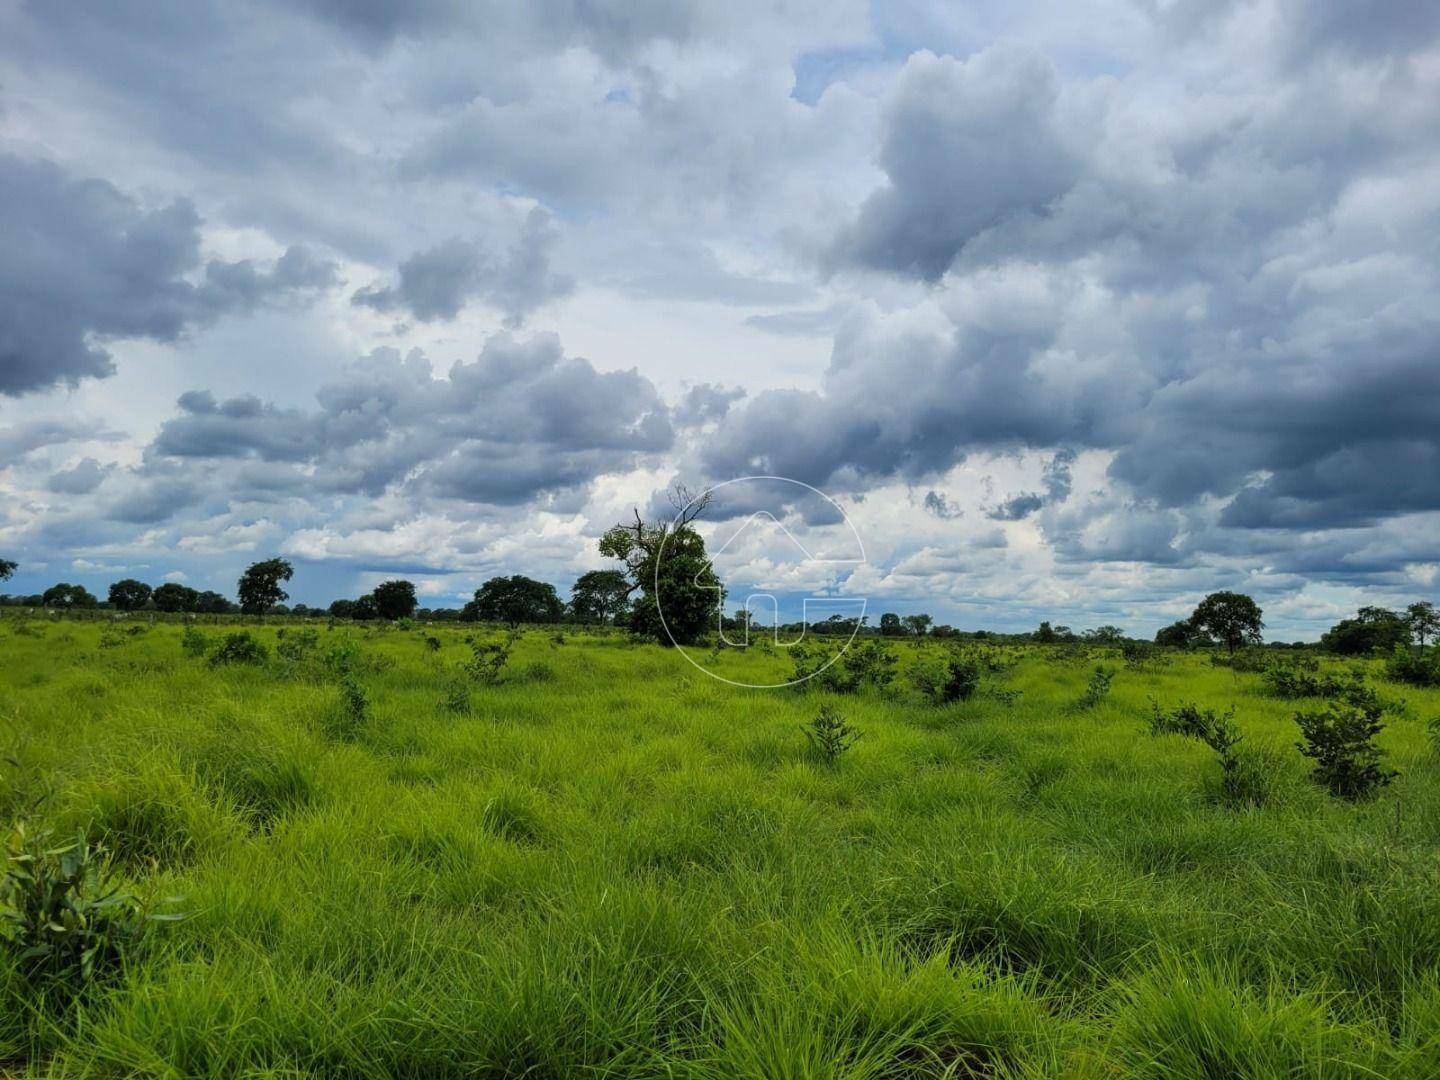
pixel 129 594
pixel 1412 668
pixel 193 643
pixel 394 599
pixel 1373 628
pixel 891 625
pixel 515 600
pixel 599 596
pixel 1423 621
pixel 942 681
pixel 1341 741
pixel 7 569
pixel 1188 720
pixel 353 711
pixel 64 921
pixel 298 645
pixel 174 597
pixel 488 659
pixel 65 595
pixel 1098 688
pixel 239 647
pixel 1232 618
pixel 1182 635
pixel 830 735
pixel 259 587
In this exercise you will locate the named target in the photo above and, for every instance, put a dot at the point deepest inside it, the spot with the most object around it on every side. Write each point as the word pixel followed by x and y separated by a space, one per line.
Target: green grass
pixel 613 865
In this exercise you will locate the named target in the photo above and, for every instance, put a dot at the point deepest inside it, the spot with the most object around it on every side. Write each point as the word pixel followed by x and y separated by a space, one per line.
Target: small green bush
pixel 955 678
pixel 1414 668
pixel 239 648
pixel 298 646
pixel 194 644
pixel 354 709
pixel 1098 688
pixel 830 735
pixel 1341 741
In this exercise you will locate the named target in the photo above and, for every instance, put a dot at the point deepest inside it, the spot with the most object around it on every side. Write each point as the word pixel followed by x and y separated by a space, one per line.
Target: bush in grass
pixel 352 712
pixel 432 643
pixel 1251 661
pixel 1340 739
pixel 457 696
pixel 239 648
pixel 488 659
pixel 1098 688
pixel 297 646
pixel 946 680
pixel 870 663
pixel 64 921
pixel 1412 668
pixel 830 735
pixel 1187 719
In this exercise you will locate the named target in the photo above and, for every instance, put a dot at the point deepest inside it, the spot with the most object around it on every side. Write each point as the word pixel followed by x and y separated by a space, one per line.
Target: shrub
pixel 488 659
pixel 1415 669
pixel 1098 687
pixel 432 643
pixel 239 648
pixel 953 679
pixel 1341 741
pixel 871 663
pixel 1245 660
pixel 63 920
pixel 1187 720
pixel 298 646
pixel 457 697
pixel 354 709
pixel 829 735
pixel 1239 786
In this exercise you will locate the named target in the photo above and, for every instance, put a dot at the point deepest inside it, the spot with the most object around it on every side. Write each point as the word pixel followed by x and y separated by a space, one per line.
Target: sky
pixel 1078 310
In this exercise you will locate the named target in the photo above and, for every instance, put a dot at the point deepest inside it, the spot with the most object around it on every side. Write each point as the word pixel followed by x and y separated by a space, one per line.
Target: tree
pixel 1372 628
pixel 1045 635
pixel 1423 621
pixel 1230 617
pixel 680 596
pixel 1105 635
pixel 342 609
pixel 365 608
pixel 7 569
pixel 212 603
pixel 65 595
pixel 395 599
pixel 917 624
pixel 1180 635
pixel 599 596
pixel 259 587
pixel 515 600
pixel 174 597
pixel 891 625
pixel 129 594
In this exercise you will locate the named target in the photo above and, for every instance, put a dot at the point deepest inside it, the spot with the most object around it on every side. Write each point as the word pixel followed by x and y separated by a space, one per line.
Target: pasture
pixel 593 860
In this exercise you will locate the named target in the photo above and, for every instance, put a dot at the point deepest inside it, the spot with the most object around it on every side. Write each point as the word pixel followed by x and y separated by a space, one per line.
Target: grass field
pixel 610 864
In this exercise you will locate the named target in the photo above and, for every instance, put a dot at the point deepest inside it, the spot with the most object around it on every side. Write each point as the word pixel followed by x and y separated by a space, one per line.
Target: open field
pixel 609 864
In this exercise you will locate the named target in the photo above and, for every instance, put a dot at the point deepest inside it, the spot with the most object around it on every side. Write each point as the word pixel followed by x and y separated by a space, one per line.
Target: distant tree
pixel 891 625
pixel 365 608
pixel 1423 621
pixel 259 587
pixel 1230 617
pixel 1178 635
pixel 1064 633
pixel 212 603
pixel 7 569
pixel 1372 628
pixel 129 594
pixel 944 630
pixel 679 596
pixel 395 599
pixel 1105 635
pixel 174 597
pixel 65 595
pixel 342 609
pixel 598 596
pixel 1045 635
pixel 918 625
pixel 515 600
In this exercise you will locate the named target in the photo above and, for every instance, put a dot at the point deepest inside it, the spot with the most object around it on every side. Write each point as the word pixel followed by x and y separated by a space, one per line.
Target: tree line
pixel 666 591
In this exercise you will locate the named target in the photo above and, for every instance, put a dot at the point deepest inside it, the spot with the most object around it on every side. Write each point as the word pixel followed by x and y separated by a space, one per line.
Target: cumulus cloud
pixel 82 263
pixel 435 284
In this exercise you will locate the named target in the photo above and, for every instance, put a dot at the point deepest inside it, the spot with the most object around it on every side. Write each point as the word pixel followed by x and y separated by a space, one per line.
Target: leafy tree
pixel 891 625
pixel 1045 635
pixel 1181 635
pixel 175 597
pixel 1371 628
pixel 665 562
pixel 7 569
pixel 918 624
pixel 599 596
pixel 259 587
pixel 343 609
pixel 65 595
pixel 1230 617
pixel 129 594
pixel 1105 635
pixel 395 599
pixel 212 603
pixel 365 608
pixel 1423 621
pixel 515 600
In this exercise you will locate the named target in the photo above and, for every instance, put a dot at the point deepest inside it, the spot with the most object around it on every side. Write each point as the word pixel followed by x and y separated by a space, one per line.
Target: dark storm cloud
pixel 705 403
pixel 81 262
pixel 520 420
pixel 437 283
pixel 1017 507
pixel 936 504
